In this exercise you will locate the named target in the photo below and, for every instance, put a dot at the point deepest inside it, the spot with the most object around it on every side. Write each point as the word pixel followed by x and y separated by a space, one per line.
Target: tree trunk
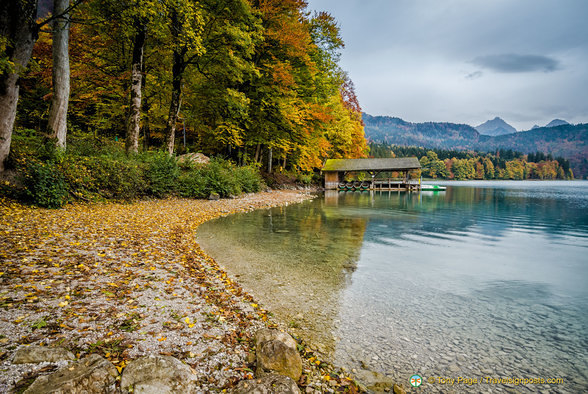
pixel 60 99
pixel 269 160
pixel 145 106
pixel 257 152
pixel 134 124
pixel 174 105
pixel 177 71
pixel 18 28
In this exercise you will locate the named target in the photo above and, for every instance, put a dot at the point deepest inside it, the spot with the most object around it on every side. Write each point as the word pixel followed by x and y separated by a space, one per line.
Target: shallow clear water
pixel 485 280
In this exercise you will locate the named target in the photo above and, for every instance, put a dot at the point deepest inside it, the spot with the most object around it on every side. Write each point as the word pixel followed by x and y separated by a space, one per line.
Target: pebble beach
pixel 128 280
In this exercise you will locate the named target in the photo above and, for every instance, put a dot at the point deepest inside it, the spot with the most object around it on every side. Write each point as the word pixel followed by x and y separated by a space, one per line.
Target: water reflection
pixel 296 260
pixel 485 280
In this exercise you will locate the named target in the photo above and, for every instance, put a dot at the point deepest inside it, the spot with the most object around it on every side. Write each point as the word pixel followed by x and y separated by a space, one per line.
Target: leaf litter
pixel 126 280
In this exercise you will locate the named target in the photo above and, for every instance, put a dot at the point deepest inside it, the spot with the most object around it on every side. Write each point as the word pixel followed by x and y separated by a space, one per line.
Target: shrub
pixel 191 184
pixel 161 174
pixel 116 178
pixel 248 178
pixel 44 184
pixel 219 178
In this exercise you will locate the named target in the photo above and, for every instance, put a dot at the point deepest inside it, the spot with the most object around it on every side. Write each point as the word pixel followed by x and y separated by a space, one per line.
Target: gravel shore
pixel 126 280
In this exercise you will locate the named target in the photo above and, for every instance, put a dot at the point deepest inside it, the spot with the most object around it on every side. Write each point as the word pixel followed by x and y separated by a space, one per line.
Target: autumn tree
pixel 137 17
pixel 216 102
pixel 18 33
pixel 185 26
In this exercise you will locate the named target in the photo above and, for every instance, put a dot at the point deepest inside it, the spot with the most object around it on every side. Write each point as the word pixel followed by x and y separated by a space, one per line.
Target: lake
pixel 487 280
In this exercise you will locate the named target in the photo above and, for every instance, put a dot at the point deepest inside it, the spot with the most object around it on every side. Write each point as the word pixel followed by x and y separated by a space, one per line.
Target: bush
pixel 90 170
pixel 116 178
pixel 44 184
pixel 248 178
pixel 161 174
pixel 218 178
pixel 191 184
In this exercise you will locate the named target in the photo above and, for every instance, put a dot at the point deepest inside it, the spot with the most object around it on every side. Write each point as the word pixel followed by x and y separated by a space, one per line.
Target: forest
pixel 462 165
pixel 254 83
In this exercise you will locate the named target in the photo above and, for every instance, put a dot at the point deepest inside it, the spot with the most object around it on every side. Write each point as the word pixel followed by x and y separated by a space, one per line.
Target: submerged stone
pixel 375 381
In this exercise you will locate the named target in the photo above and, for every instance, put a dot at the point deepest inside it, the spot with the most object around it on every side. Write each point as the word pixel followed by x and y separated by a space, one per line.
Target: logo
pixel 416 380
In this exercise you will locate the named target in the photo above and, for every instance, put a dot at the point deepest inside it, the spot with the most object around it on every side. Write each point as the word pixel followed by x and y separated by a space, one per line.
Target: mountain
pixel 556 122
pixel 429 134
pixel 535 127
pixel 568 141
pixel 495 127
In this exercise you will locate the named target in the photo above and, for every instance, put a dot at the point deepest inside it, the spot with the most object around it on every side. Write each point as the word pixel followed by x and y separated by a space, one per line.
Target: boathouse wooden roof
pixel 390 164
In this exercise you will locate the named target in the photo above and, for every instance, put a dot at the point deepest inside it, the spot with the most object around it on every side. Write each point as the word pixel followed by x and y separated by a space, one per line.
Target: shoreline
pixel 126 280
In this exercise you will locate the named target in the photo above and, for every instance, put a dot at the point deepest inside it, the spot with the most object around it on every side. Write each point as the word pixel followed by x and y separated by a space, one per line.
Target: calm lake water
pixel 486 280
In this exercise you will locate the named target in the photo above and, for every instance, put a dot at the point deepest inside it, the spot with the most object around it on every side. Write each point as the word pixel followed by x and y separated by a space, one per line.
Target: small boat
pixel 433 188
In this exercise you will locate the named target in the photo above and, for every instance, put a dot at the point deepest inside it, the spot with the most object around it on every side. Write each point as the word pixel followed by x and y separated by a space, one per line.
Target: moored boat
pixel 433 188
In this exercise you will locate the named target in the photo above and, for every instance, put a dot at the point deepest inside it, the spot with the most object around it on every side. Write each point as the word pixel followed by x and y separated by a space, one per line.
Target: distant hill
pixel 553 123
pixel 556 122
pixel 568 141
pixel 495 127
pixel 429 134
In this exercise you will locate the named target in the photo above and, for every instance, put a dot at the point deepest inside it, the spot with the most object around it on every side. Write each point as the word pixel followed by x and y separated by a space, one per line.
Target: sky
pixel 466 61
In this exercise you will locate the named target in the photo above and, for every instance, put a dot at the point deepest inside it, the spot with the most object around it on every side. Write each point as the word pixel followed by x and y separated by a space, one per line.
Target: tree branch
pixel 58 16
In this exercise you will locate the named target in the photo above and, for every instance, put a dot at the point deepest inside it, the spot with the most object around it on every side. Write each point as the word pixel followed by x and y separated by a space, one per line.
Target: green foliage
pixel 221 177
pixel 40 323
pixel 118 179
pixel 161 174
pixel 44 184
pixel 192 185
pixel 248 178
pixel 95 170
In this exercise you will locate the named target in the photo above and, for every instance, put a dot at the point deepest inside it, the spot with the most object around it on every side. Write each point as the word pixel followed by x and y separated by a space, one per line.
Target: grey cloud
pixel 511 63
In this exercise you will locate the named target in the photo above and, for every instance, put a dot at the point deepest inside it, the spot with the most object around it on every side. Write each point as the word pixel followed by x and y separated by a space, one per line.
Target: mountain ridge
pixel 568 141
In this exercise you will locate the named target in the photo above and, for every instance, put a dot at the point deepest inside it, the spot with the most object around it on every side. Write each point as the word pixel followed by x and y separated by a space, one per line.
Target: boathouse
pixel 336 170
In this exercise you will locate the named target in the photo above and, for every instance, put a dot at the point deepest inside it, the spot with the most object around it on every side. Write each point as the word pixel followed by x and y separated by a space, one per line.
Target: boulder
pixel 214 196
pixel 158 374
pixel 197 158
pixel 93 374
pixel 269 384
pixel 39 354
pixel 277 353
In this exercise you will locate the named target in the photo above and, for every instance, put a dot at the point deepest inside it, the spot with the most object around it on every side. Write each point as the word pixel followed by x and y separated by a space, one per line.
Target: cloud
pixel 510 63
pixel 474 75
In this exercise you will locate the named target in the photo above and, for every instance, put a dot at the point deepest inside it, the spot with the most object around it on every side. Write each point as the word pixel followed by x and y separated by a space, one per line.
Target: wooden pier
pixel 336 170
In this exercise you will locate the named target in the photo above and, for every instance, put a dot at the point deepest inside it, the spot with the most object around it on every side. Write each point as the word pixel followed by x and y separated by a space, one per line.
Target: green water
pixel 485 280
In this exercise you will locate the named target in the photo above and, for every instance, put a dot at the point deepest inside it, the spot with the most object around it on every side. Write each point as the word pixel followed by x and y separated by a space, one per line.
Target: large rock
pixel 93 374
pixel 39 354
pixel 269 384
pixel 277 352
pixel 197 158
pixel 158 374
